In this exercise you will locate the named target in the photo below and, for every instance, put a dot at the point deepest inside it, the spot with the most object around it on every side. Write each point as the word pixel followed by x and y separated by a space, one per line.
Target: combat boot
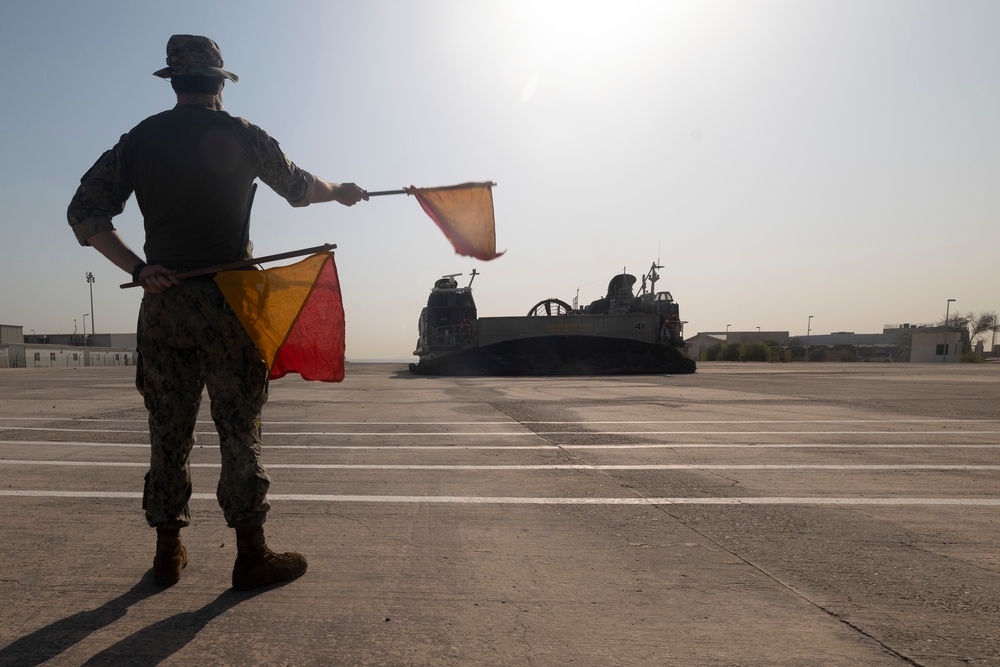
pixel 171 556
pixel 257 566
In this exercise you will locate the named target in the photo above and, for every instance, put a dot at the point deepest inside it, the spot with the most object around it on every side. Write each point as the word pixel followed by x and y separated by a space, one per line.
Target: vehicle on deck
pixel 621 333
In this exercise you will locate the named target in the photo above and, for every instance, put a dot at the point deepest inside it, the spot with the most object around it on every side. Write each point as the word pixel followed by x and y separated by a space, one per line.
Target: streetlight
pixel 809 323
pixel 85 328
pixel 90 281
pixel 947 310
pixel 727 330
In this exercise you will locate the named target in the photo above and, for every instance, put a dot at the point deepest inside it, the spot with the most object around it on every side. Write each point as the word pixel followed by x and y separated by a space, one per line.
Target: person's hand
pixel 157 279
pixel 349 194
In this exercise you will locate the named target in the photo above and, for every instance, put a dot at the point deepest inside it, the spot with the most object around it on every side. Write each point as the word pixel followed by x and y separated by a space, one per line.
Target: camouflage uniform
pixel 189 339
pixel 191 169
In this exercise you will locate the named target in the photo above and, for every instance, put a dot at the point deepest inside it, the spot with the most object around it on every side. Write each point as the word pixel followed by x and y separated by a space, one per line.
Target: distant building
pixel 779 338
pixel 885 346
pixel 937 347
pixel 64 350
pixel 702 341
pixel 917 343
pixel 706 339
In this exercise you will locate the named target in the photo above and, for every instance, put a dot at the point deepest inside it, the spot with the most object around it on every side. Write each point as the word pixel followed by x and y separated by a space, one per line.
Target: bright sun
pixel 586 40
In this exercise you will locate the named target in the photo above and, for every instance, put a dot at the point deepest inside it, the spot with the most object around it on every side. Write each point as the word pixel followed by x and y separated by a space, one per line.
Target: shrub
pixel 844 354
pixel 731 352
pixel 756 352
pixel 817 354
pixel 712 352
pixel 972 358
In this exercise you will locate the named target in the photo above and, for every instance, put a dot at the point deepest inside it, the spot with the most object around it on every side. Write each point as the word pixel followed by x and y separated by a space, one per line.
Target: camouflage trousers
pixel 189 339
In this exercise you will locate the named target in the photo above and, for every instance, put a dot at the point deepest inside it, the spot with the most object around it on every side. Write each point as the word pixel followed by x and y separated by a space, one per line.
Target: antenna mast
pixel 653 275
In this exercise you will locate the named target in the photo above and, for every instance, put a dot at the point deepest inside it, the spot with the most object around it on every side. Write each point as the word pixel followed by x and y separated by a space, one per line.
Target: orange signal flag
pixel 465 215
pixel 294 315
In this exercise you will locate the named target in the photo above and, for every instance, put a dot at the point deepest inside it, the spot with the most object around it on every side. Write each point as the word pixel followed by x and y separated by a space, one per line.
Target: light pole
pixel 809 323
pixel 727 331
pixel 947 310
pixel 85 329
pixel 90 281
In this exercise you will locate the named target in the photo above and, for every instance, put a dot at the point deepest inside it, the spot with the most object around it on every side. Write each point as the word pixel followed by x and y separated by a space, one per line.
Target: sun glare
pixel 586 41
pixel 567 36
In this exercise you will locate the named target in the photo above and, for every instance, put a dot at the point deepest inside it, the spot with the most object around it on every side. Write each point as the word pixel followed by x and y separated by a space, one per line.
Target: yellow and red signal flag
pixel 294 314
pixel 463 212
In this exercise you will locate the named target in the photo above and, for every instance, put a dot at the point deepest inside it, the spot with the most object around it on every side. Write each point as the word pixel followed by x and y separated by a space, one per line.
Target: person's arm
pixel 347 194
pixel 297 186
pixel 153 278
pixel 101 196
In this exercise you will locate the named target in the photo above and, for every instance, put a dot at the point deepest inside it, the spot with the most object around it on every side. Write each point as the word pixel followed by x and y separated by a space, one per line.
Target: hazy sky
pixel 838 159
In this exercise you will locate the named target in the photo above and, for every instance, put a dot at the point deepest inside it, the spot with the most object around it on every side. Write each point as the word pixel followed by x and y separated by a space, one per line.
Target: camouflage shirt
pixel 191 169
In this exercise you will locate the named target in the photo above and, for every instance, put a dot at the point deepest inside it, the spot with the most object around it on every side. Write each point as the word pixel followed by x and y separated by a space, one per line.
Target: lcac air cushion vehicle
pixel 622 333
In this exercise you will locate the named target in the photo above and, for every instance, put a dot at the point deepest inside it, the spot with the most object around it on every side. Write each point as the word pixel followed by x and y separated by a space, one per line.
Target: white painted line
pixel 68 430
pixel 646 421
pixel 74 443
pixel 503 500
pixel 94 464
pixel 511 421
pixel 767 445
pixel 80 494
pixel 663 445
pixel 78 419
pixel 497 434
pixel 546 446
pixel 751 433
pixel 543 466
pixel 641 466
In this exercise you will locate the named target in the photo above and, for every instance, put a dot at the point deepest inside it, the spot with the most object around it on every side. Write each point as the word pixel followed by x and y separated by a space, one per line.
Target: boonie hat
pixel 193 55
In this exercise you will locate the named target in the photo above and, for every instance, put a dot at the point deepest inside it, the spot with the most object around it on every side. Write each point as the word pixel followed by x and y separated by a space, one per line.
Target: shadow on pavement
pixel 46 643
pixel 155 643
pixel 148 646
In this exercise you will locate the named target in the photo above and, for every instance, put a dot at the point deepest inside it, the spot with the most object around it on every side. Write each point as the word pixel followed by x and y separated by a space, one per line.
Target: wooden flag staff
pixel 408 191
pixel 242 264
pixel 404 191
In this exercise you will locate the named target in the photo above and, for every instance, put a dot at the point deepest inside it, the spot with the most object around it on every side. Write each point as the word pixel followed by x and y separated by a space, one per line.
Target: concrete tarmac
pixel 749 514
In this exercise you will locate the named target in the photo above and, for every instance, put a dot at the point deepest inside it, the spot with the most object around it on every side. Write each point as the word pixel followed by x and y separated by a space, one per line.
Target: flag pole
pixel 388 192
pixel 409 191
pixel 242 264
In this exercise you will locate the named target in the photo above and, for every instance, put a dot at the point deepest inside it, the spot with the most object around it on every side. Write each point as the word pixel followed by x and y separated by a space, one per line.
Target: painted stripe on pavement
pixel 503 500
pixel 494 434
pixel 531 467
pixel 923 420
pixel 546 446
